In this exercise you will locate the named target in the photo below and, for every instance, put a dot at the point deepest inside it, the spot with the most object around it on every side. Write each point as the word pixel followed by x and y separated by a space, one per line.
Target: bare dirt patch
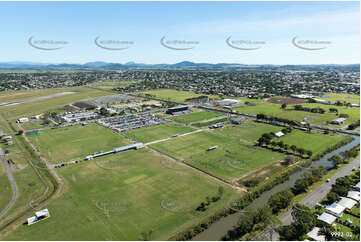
pixel 285 100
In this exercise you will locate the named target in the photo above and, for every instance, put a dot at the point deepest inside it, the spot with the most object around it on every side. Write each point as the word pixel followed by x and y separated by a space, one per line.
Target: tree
pixel 20 132
pixel 327 232
pixel 293 148
pixel 283 106
pixel 332 197
pixel 280 200
pixel 309 153
pixel 300 186
pixel 220 191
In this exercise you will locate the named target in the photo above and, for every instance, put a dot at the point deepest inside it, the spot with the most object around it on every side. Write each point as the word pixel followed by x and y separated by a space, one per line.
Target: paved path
pixel 180 135
pixel 320 192
pixel 12 181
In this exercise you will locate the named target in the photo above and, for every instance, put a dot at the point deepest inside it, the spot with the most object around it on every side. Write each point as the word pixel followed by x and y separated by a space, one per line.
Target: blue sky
pixel 271 24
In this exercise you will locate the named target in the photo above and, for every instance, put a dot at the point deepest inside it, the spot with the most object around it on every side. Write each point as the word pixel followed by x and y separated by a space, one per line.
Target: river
pixel 220 228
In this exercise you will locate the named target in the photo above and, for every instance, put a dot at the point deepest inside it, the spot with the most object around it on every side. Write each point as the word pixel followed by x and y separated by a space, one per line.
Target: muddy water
pixel 221 227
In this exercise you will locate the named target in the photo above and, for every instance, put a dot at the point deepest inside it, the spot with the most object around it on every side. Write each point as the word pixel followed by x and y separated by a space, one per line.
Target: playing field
pixel 158 132
pixel 343 97
pixel 195 117
pixel 139 195
pixel 260 106
pixel 173 95
pixel 234 160
pixel 249 131
pixel 316 142
pixel 185 146
pixel 64 144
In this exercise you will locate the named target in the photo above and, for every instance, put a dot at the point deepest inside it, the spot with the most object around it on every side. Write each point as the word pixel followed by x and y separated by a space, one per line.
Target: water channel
pixel 220 228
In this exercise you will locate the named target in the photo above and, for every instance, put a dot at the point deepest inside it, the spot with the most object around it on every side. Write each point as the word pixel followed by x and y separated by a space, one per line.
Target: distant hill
pixel 181 65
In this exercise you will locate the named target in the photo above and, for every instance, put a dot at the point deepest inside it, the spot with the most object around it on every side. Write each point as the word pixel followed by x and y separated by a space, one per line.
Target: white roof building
pixel 279 134
pixel 335 209
pixel 347 202
pixel 354 195
pixel 39 215
pixel 327 218
pixel 313 234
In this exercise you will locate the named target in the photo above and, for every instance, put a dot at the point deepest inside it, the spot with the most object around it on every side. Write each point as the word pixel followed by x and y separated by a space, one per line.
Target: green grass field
pixel 185 146
pixel 316 142
pixel 314 118
pixel 234 160
pixel 195 117
pixel 173 95
pixel 133 197
pixel 37 107
pixel 36 125
pixel 249 131
pixel 5 189
pixel 64 144
pixel 334 97
pixel 158 132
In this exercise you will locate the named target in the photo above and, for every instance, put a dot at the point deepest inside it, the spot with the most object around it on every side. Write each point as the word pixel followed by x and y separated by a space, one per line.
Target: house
pixel 39 215
pixel 327 218
pixel 347 202
pixel 335 209
pixel 338 121
pixel 279 134
pixel 313 234
pixel 354 195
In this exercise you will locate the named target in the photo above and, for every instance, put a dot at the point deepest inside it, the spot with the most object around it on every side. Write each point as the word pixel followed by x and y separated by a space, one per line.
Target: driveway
pixel 320 192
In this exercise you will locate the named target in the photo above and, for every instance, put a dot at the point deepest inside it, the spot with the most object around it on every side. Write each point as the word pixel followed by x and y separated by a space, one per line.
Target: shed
pixel 279 134
pixel 327 218
pixel 335 209
pixel 338 121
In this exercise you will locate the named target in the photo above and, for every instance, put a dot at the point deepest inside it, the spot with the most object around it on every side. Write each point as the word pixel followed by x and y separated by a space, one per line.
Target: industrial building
pixel 176 109
pixel 116 150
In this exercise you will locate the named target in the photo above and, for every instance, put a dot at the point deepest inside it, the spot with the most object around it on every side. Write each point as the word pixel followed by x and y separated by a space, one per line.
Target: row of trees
pixel 204 205
pixel 251 220
pixel 270 118
pixel 308 179
pixel 307 109
pixel 266 140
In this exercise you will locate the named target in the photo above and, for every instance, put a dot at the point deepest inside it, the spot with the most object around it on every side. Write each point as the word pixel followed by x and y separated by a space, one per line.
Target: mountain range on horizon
pixel 131 64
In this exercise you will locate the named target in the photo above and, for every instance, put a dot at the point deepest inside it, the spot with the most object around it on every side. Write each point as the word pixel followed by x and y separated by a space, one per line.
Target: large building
pixel 176 109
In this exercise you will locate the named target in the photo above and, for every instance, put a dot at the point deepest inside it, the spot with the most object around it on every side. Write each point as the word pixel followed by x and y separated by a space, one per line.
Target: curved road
pixel 12 181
